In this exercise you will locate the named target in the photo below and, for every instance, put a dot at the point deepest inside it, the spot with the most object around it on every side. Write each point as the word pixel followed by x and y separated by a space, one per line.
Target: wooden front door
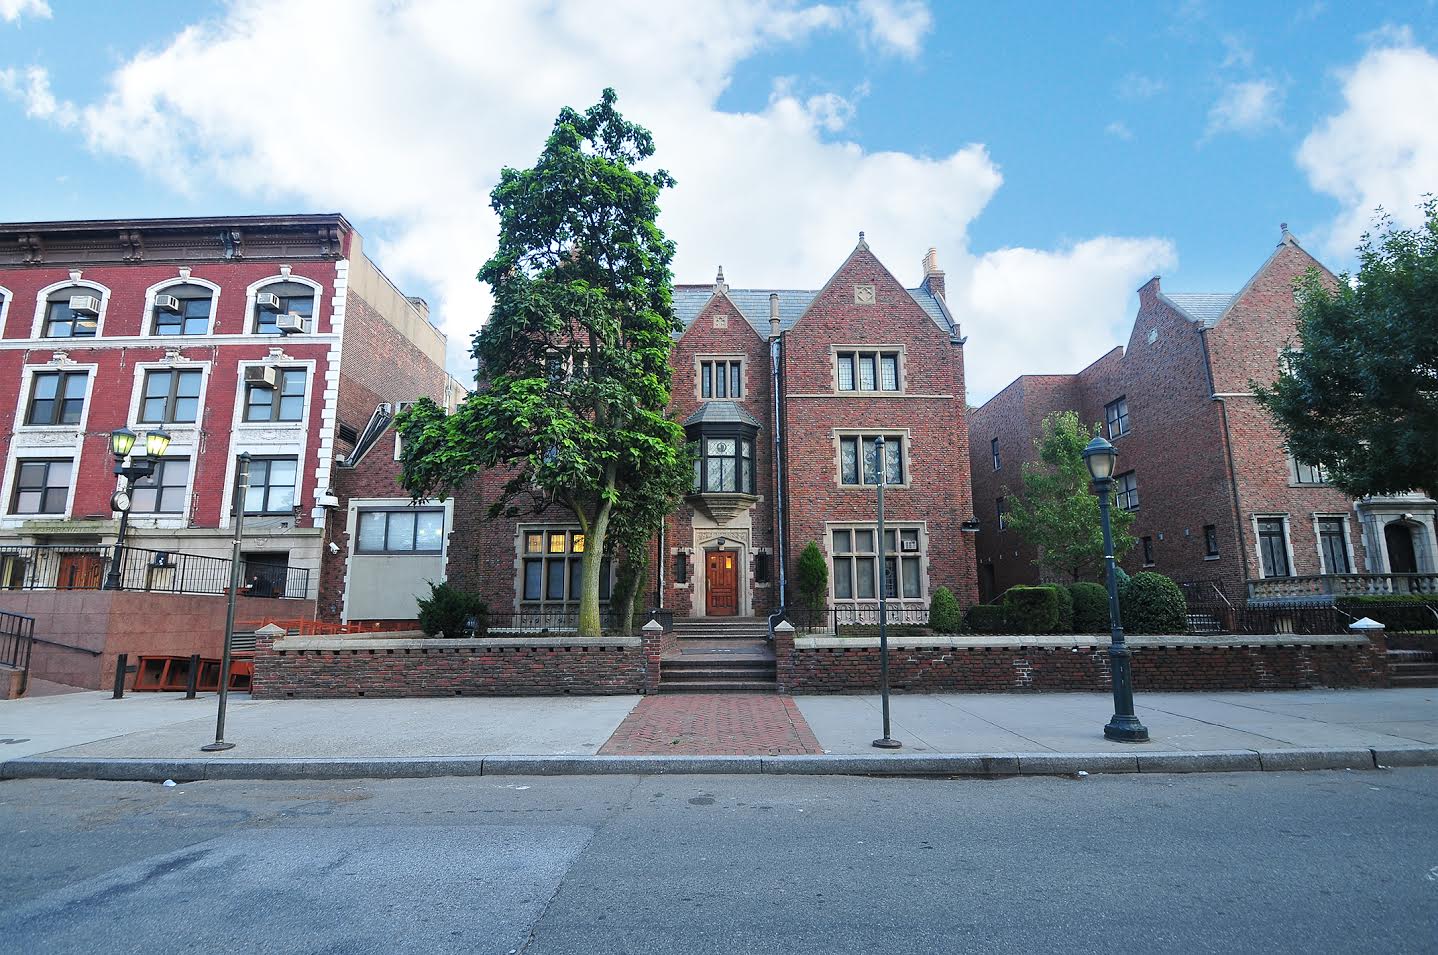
pixel 721 583
pixel 80 572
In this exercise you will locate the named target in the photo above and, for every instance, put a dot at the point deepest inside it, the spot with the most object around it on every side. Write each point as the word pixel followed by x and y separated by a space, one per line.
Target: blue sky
pixel 1056 154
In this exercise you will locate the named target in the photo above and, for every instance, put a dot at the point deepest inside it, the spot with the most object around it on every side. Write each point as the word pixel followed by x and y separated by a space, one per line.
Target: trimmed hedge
pixel 1152 603
pixel 1090 603
pixel 986 618
pixel 1066 609
pixel 447 610
pixel 944 613
pixel 1032 609
pixel 1399 613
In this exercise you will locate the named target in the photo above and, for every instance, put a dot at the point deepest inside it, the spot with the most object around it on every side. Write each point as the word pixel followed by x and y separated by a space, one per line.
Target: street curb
pixel 990 765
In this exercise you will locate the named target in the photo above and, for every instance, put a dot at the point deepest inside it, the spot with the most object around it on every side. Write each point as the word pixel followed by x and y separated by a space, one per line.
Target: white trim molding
pixel 42 298
pixel 147 318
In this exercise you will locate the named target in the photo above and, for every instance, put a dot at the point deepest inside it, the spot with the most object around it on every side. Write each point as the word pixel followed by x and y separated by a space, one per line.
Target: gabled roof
pixel 753 304
pixel 1204 308
pixel 721 412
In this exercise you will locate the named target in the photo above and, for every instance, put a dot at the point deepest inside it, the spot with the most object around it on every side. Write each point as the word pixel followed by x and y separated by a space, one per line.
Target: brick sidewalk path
pixel 713 724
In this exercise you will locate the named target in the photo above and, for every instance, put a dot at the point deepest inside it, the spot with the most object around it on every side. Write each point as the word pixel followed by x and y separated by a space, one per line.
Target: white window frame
pixel 6 297
pixel 27 384
pixel 12 475
pixel 1319 518
pixel 1287 544
pixel 148 321
pixel 42 301
pixel 255 288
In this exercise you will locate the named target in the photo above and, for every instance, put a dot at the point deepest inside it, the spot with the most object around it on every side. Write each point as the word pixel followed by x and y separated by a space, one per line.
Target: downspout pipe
pixel 777 441
pixel 1228 459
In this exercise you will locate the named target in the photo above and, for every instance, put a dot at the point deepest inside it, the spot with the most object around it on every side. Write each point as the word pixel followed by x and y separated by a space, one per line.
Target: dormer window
pixel 182 310
pixel 72 312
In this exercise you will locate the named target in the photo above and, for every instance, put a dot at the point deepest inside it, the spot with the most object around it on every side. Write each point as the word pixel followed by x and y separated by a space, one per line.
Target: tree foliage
pixel 1359 394
pixel 1058 511
pixel 813 578
pixel 574 372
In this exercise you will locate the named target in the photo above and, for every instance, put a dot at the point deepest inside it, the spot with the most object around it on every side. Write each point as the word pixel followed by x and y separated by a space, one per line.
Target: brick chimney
pixel 933 275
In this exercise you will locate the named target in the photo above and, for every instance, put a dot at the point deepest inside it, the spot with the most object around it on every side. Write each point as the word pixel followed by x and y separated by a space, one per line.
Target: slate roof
pixel 753 304
pixel 721 412
pixel 1201 307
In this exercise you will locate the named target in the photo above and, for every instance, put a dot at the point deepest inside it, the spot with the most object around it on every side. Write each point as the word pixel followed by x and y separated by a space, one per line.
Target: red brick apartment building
pixel 782 392
pixel 274 335
pixel 1217 499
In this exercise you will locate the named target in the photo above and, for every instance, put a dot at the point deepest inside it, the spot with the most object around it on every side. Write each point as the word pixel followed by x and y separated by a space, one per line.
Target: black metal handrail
pixel 17 637
pixel 64 567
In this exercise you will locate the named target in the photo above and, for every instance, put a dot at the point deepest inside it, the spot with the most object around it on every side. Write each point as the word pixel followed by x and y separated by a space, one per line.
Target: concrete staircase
pixel 1413 668
pixel 719 655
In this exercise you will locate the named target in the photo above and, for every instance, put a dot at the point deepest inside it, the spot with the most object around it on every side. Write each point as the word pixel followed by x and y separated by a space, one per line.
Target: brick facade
pixel 1204 454
pixel 806 330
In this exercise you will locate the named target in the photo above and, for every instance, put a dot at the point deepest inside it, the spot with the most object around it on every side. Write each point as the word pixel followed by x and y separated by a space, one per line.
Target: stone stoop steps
pixel 1413 668
pixel 719 655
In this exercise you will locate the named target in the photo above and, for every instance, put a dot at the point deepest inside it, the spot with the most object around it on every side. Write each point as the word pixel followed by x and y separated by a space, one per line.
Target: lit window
pixel 56 397
pixel 551 567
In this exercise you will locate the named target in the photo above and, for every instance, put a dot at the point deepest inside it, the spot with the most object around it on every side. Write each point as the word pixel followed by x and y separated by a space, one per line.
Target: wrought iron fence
pixel 857 619
pixel 17 636
pixel 63 567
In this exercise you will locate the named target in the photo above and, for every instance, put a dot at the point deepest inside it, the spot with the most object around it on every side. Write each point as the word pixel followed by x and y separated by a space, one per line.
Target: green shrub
pixel 447 610
pixel 813 578
pixel 986 618
pixel 1398 613
pixel 1032 609
pixel 1151 603
pixel 1090 607
pixel 944 615
pixel 1066 609
pixel 1122 577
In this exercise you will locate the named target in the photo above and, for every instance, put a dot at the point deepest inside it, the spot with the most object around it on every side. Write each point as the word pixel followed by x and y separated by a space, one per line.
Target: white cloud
pixel 775 195
pixel 12 10
pixel 31 88
pixel 1137 86
pixel 896 26
pixel 1119 130
pixel 1247 107
pixel 1381 148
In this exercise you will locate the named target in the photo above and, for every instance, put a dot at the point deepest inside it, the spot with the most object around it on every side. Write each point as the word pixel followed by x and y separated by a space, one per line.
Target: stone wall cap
pixel 343 642
pixel 976 641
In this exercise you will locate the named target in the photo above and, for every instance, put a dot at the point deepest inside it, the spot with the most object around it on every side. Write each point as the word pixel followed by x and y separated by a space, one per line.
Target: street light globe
pixel 156 443
pixel 1100 457
pixel 121 441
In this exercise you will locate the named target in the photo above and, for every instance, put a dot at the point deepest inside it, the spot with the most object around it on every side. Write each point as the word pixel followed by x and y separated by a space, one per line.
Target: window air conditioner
pixel 908 545
pixel 262 376
pixel 85 305
pixel 167 303
pixel 268 301
pixel 290 323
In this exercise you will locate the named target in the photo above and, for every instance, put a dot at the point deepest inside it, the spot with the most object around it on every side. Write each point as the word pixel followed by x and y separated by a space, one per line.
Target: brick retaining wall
pixel 370 666
pixel 1159 663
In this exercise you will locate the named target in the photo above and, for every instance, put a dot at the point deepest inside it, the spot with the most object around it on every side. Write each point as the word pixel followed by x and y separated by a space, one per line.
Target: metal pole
pixel 1124 727
pixel 112 579
pixel 121 663
pixel 242 486
pixel 194 677
pixel 881 466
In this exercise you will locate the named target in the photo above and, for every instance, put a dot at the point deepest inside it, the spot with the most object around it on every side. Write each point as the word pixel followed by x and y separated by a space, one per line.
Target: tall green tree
pixel 1359 393
pixel 574 372
pixel 1058 511
pixel 641 510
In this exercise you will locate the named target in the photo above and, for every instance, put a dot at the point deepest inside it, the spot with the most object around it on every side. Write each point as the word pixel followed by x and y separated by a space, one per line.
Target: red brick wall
pixel 446 671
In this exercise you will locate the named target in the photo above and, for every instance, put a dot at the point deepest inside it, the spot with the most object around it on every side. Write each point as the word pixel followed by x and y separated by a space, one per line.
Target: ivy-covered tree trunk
pixel 591 624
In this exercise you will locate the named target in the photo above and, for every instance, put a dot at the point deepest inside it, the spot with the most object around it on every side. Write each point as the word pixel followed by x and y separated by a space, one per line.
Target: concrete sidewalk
pixel 149 736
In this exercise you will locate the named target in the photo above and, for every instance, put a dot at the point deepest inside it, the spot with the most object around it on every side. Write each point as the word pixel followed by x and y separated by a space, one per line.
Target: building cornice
pixel 92 242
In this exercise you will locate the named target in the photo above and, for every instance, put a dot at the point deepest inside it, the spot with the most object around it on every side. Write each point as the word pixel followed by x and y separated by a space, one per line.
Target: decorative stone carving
pixel 61 358
pixel 75 275
pixel 132 244
pixel 32 247
pixel 277 355
pixel 185 272
pixel 173 356
pixel 285 270
pixel 722 508
pixel 739 535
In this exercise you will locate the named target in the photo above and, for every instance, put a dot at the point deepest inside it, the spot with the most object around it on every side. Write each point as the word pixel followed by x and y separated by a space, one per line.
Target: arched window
pixel 184 308
pixel 276 300
pixel 72 311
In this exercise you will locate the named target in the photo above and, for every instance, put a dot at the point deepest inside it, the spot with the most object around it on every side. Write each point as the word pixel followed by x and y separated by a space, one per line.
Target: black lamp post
pixel 1124 727
pixel 881 473
pixel 122 443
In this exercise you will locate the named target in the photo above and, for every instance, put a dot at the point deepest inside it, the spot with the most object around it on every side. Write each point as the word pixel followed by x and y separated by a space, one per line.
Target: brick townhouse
pixel 274 335
pixel 1217 500
pixel 781 392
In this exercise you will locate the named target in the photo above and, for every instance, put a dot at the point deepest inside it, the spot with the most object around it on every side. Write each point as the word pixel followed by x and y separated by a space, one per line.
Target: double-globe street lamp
pixel 1100 457
pixel 131 468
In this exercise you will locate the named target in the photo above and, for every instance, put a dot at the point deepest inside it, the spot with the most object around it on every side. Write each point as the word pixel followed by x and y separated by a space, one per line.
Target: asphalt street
pixel 1275 862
